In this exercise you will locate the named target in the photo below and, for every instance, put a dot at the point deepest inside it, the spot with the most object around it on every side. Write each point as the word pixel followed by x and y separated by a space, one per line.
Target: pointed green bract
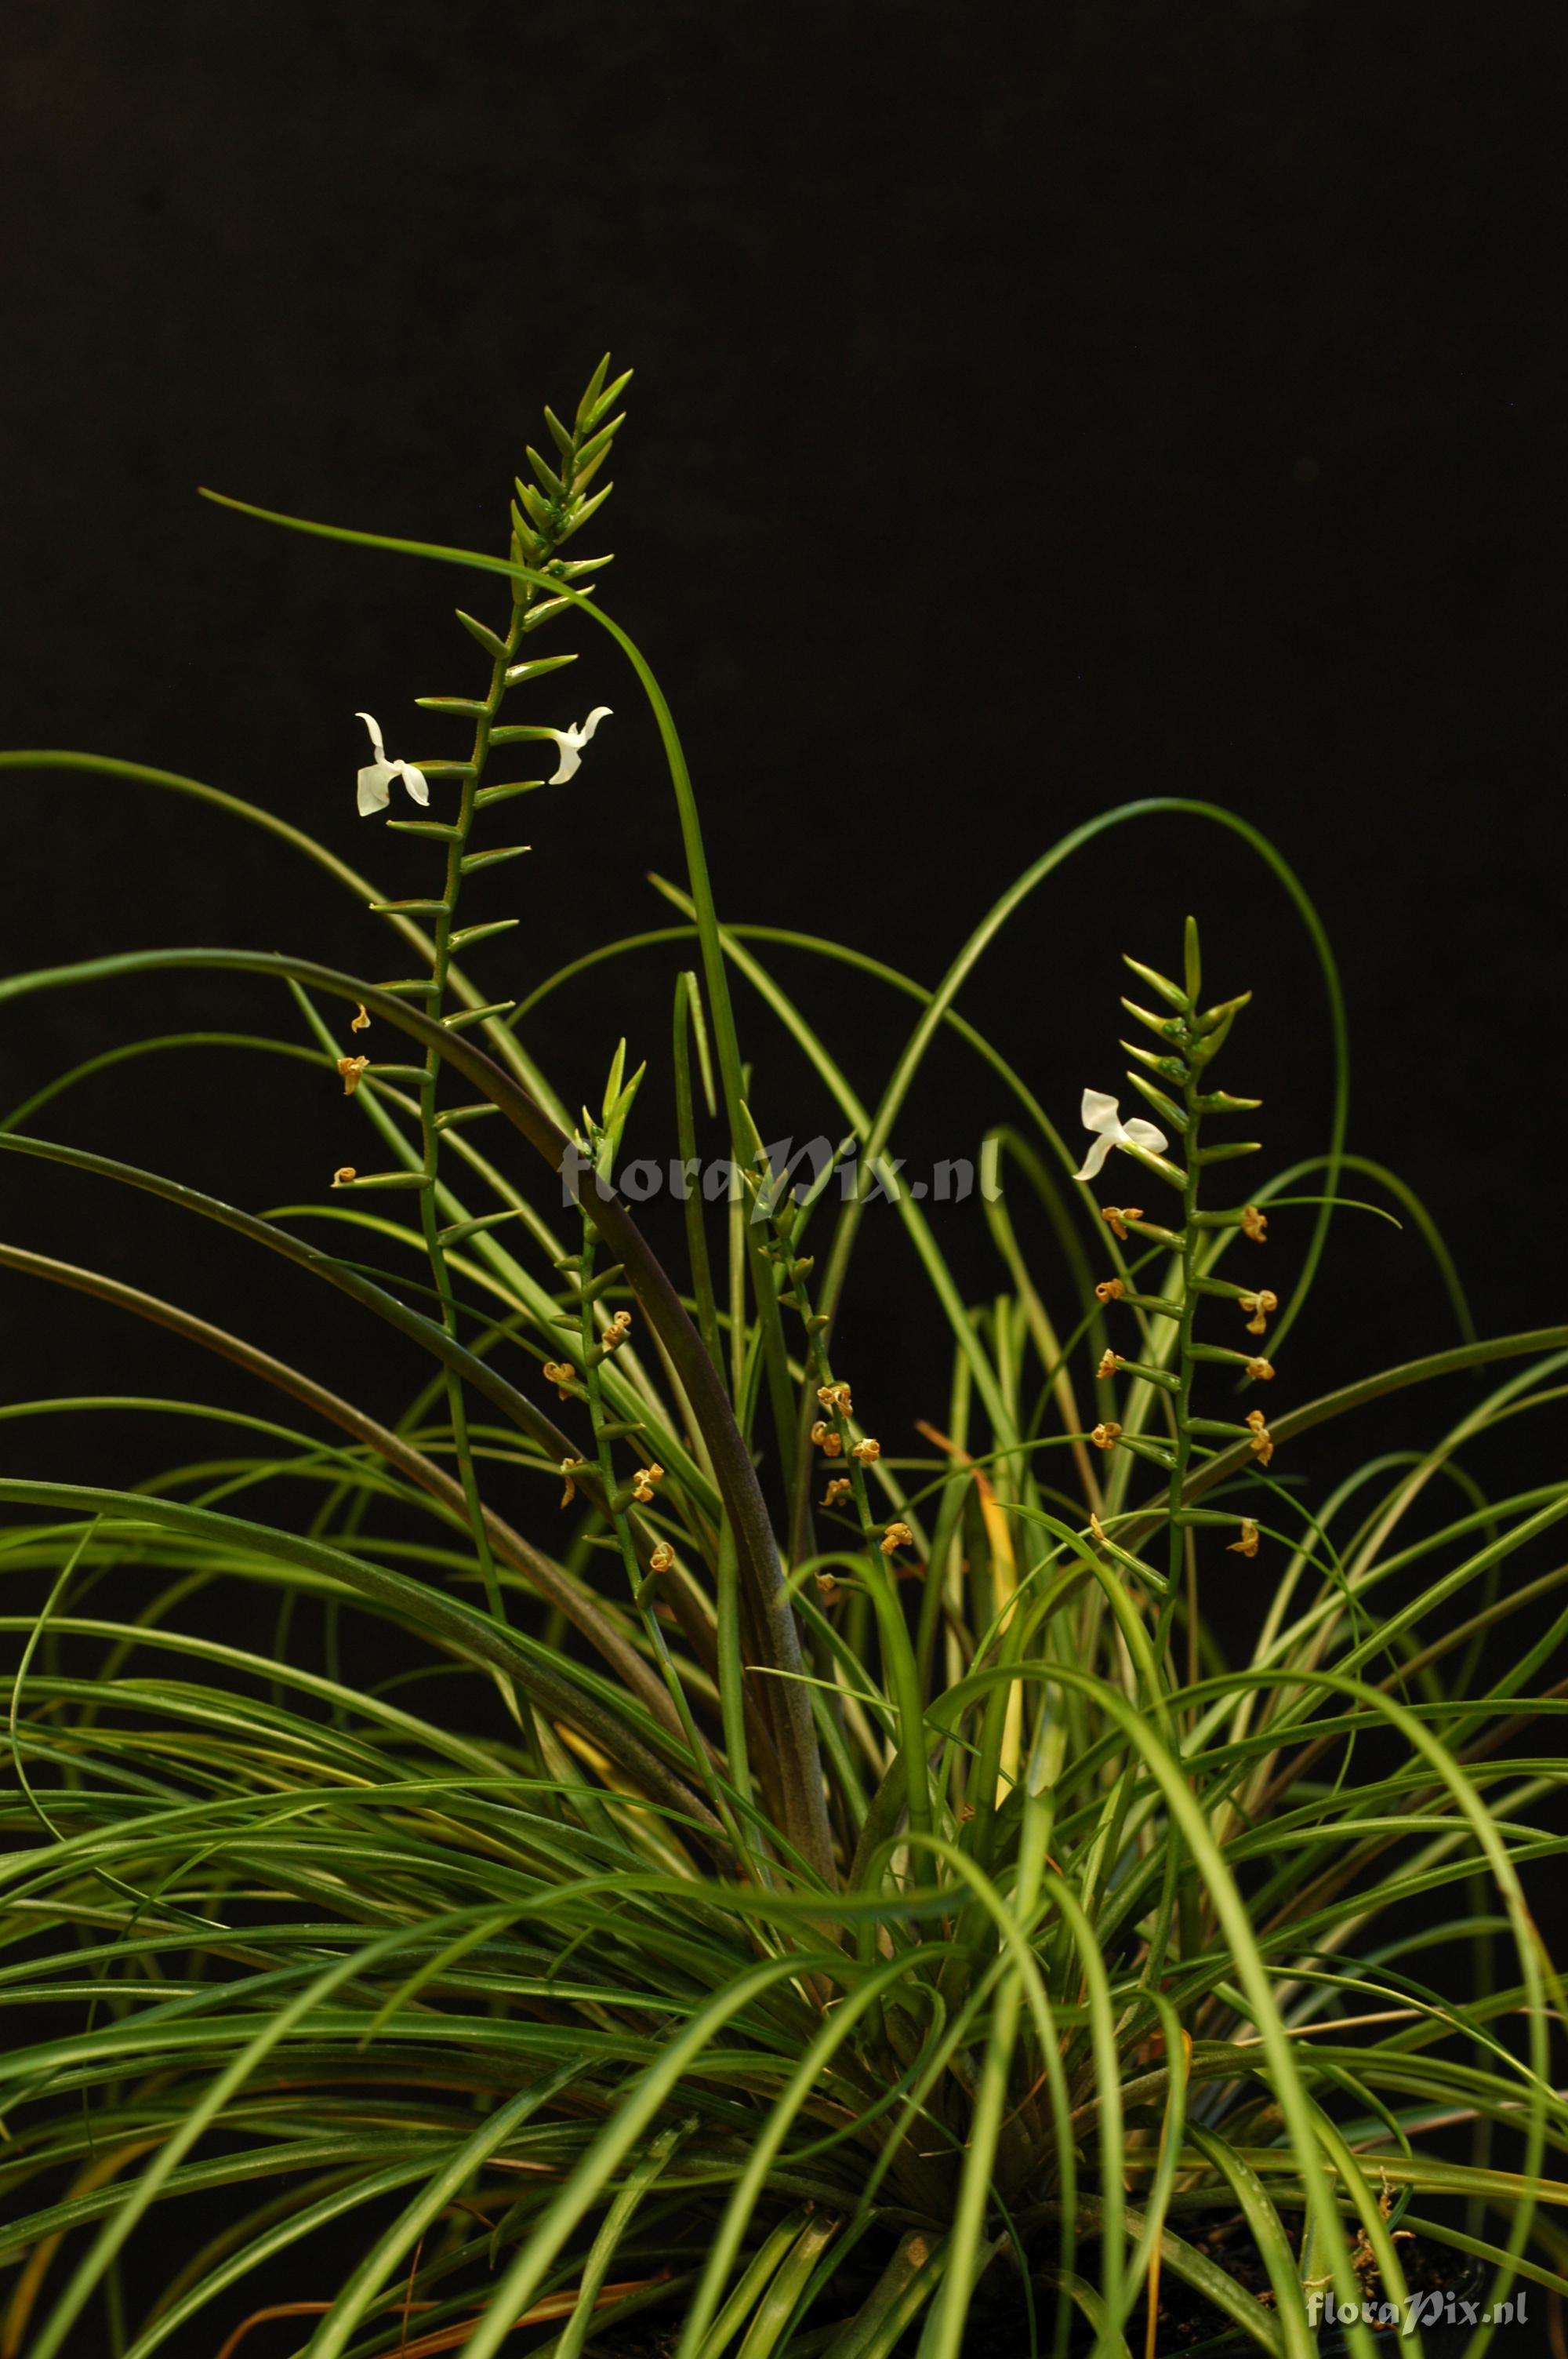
pixel 1170 993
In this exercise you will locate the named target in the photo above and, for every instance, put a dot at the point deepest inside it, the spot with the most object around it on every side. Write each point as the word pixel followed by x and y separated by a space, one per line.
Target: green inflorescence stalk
pixel 543 517
pixel 1190 1040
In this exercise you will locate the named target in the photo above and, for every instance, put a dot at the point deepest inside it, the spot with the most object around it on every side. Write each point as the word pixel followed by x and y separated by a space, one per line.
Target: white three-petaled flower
pixel 1100 1115
pixel 571 743
pixel 375 778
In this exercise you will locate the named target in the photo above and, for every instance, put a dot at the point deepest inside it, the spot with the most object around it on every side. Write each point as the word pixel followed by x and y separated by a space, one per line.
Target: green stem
pixel 435 1000
pixel 686 1139
pixel 1191 1238
pixel 590 1357
pixel 523 597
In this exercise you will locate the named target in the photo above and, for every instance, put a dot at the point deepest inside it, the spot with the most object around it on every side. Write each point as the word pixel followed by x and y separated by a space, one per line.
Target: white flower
pixel 1100 1115
pixel 571 743
pixel 375 778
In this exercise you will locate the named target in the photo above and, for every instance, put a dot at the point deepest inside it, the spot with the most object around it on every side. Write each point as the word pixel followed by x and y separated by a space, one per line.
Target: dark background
pixel 1035 409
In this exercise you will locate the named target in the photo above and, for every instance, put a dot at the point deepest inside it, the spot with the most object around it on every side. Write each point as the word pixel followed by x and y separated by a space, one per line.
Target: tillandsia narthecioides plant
pixel 692 1870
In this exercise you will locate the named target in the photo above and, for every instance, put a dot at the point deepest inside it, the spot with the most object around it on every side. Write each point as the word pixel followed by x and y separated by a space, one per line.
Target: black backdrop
pixel 1035 407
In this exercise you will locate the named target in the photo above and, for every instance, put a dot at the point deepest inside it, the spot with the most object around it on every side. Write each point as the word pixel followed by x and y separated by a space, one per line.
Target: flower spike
pixel 375 778
pixel 1100 1115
